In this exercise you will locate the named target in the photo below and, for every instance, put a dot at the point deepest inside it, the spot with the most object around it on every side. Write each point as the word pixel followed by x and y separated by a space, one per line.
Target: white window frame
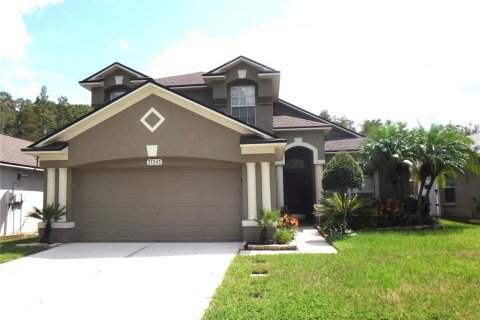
pixel 249 101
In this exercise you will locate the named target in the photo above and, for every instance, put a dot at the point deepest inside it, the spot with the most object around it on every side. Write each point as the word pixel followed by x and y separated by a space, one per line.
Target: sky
pixel 414 61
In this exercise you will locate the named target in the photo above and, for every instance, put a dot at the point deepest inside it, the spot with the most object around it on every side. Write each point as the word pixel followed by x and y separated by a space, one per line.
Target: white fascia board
pixel 18 166
pixel 116 66
pixel 215 77
pixel 303 129
pixel 269 75
pixel 187 87
pixel 237 61
pixel 90 85
pixel 264 148
pixel 50 155
pixel 138 95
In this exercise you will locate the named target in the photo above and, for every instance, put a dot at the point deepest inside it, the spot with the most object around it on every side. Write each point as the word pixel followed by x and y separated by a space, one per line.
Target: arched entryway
pixel 299 185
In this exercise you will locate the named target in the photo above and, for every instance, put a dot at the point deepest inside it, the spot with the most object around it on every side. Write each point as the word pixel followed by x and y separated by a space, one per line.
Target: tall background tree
pixel 342 121
pixel 390 149
pixel 341 173
pixel 29 120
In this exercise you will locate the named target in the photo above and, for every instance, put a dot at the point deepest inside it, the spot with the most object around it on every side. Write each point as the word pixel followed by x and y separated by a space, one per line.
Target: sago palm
pixel 47 214
pixel 268 218
pixel 341 205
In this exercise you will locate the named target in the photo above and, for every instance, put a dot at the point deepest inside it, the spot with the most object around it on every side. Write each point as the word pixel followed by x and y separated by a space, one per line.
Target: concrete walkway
pixel 308 240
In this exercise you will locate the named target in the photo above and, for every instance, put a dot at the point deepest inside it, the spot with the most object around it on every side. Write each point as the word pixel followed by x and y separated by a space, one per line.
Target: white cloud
pixel 124 44
pixel 410 61
pixel 13 31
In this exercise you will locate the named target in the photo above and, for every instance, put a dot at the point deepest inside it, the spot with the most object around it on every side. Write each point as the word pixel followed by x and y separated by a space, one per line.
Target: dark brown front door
pixel 298 181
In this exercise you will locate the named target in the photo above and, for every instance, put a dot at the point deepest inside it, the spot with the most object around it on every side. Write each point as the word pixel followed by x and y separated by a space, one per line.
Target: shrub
pixel 341 173
pixel 283 236
pixel 287 222
pixel 268 218
pixel 343 213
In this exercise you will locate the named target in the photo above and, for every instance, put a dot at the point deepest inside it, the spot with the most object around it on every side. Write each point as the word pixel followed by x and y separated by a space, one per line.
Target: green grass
pixel 9 252
pixel 416 274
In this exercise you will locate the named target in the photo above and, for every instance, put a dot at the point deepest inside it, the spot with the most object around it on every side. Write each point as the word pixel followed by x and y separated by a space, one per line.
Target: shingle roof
pixel 189 79
pixel 10 151
pixel 351 144
pixel 292 122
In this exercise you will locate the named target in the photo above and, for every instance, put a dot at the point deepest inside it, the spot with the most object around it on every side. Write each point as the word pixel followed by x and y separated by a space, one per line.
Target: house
pixel 21 187
pixel 185 158
pixel 458 198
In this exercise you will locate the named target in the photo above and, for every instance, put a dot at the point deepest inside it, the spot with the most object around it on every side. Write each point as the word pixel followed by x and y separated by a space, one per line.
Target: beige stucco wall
pixel 466 188
pixel 182 134
pixel 314 138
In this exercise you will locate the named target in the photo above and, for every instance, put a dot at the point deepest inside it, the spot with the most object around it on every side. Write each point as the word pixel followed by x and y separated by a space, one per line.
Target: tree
pixel 469 128
pixel 341 173
pixel 7 114
pixel 441 153
pixel 28 123
pixel 49 213
pixel 26 120
pixel 342 121
pixel 325 115
pixel 46 112
pixel 390 149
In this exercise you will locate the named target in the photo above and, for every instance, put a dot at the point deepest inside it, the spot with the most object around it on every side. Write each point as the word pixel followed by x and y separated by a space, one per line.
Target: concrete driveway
pixel 114 281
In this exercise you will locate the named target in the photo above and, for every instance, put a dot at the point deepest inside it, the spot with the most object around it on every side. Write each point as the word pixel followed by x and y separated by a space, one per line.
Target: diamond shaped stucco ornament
pixel 159 119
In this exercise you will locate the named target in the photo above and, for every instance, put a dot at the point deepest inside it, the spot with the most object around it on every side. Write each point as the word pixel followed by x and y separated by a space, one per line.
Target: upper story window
pixel 243 103
pixel 116 93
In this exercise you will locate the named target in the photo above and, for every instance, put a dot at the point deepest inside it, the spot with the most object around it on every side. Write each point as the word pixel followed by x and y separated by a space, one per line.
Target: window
pixel 243 103
pixel 114 94
pixel 368 187
pixel 295 164
pixel 449 192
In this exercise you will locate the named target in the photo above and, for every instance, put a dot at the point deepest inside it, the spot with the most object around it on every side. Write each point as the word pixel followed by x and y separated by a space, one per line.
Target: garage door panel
pixel 155 205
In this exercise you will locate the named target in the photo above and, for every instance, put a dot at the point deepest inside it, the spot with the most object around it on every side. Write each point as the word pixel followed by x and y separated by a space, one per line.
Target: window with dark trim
pixel 242 100
pixel 449 192
pixel 116 93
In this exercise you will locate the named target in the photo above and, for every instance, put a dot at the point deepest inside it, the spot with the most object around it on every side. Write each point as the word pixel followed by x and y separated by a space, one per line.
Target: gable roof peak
pixel 227 65
pixel 100 74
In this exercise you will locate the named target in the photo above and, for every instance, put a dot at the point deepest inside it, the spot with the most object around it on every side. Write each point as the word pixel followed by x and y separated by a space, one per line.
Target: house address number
pixel 154 162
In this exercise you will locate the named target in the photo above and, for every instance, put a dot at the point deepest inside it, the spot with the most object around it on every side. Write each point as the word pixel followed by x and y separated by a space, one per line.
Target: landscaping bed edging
pixel 270 247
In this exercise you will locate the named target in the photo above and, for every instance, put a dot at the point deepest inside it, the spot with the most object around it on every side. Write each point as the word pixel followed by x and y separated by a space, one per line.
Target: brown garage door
pixel 158 204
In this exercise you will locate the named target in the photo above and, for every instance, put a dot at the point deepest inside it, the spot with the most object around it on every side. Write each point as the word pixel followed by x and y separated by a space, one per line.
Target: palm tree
pixel 442 153
pixel 268 218
pixel 49 213
pixel 390 148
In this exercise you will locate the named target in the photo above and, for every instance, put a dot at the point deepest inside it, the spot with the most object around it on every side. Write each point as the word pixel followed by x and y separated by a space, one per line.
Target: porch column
pixel 266 193
pixel 251 191
pixel 318 181
pixel 279 180
pixel 62 189
pixel 50 185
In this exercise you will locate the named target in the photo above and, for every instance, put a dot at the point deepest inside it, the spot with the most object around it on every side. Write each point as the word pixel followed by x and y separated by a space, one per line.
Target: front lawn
pixel 9 252
pixel 420 274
